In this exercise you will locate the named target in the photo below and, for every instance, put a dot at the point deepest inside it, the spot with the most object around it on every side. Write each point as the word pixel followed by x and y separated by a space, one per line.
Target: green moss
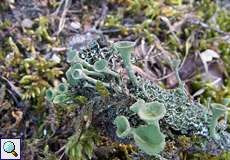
pixel 205 156
pixel 175 2
pixel 206 8
pixel 80 147
pixel 113 21
pixel 42 31
pixel 102 90
pixel 82 99
pixel 5 24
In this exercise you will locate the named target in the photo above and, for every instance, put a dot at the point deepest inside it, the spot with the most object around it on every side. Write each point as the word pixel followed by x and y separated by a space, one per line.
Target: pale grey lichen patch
pixel 184 116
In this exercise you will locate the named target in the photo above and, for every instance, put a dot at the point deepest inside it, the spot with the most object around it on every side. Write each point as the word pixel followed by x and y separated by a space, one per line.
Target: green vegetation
pixel 148 137
pixel 120 79
pixel 218 110
pixel 125 49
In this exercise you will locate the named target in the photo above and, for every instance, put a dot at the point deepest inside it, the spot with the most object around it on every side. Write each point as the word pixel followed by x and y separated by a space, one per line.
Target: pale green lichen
pixel 182 114
pixel 73 57
pixel 87 72
pixel 125 49
pixel 62 88
pixel 148 137
pixel 59 95
pixel 78 74
pixel 179 113
pixel 70 77
pixel 102 67
pixel 152 113
pixel 50 94
pixel 60 99
pixel 218 110
pixel 123 127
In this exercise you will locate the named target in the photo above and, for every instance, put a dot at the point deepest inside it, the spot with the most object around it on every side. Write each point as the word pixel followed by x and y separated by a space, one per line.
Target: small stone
pixel 56 58
pixel 27 23
pixel 75 25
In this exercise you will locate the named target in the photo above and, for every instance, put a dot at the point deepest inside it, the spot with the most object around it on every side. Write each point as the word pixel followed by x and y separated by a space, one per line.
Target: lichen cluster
pixel 148 137
pixel 183 115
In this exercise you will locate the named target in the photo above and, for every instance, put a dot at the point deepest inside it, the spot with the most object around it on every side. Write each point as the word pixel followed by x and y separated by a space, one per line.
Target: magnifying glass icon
pixel 9 147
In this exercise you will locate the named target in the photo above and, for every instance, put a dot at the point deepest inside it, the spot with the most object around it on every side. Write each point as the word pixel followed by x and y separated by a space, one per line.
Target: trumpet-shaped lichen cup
pixel 125 49
pixel 218 110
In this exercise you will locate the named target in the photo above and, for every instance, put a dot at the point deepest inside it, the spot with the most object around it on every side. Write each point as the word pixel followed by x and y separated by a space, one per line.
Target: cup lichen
pixel 73 57
pixel 152 113
pixel 125 49
pixel 137 106
pixel 61 98
pixel 87 72
pixel 148 137
pixel 184 115
pixel 123 127
pixel 50 94
pixel 78 74
pixel 62 88
pixel 71 80
pixel 218 110
pixel 101 66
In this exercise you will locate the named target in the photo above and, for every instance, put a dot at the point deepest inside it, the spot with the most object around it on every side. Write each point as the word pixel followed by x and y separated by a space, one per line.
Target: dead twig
pixel 57 49
pixel 171 30
pixel 167 55
pixel 100 21
pixel 146 60
pixel 59 8
pixel 196 21
pixel 12 91
pixel 143 74
pixel 187 47
pixel 61 25
pixel 2 93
